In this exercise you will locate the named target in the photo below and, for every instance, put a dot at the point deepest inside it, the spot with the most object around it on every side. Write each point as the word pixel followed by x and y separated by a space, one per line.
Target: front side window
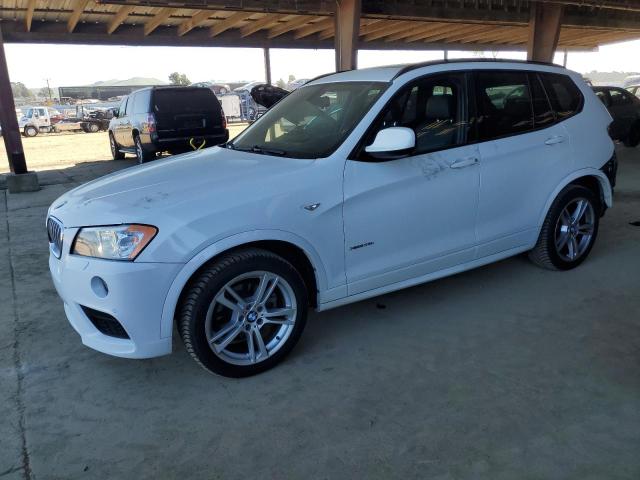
pixel 312 121
pixel 433 107
pixel 504 104
pixel 122 108
pixel 564 95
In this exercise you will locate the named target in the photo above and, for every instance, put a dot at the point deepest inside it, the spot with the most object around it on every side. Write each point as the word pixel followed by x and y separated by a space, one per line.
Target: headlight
pixel 118 242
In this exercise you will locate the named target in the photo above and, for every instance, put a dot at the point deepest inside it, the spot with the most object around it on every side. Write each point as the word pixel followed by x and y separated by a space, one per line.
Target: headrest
pixel 440 107
pixel 517 107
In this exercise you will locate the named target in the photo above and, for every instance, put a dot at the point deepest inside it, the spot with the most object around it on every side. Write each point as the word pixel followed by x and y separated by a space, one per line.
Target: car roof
pixel 391 72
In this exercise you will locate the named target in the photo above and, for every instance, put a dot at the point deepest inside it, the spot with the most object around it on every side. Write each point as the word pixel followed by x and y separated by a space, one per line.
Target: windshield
pixel 28 113
pixel 312 121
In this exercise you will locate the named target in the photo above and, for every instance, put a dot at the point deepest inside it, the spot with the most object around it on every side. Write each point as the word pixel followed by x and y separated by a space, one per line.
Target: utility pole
pixel 49 90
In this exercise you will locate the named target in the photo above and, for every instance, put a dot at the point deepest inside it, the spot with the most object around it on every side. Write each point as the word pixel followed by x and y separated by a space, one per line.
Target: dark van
pixel 173 119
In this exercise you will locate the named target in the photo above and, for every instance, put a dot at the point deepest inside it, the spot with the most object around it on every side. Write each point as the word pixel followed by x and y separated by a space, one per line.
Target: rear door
pixel 524 154
pixel 187 113
pixel 117 124
pixel 623 110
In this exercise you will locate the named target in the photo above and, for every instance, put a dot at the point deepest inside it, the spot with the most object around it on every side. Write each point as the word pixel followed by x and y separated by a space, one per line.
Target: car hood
pixel 178 186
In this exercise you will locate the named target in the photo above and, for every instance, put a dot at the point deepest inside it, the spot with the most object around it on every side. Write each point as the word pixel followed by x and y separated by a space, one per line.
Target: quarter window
pixel 564 95
pixel 504 104
pixel 433 108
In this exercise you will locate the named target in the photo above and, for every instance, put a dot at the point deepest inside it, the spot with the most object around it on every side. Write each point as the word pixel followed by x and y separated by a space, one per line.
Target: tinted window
pixel 565 96
pixel 141 102
pixel 130 101
pixel 504 104
pixel 433 108
pixel 185 100
pixel 123 106
pixel 542 112
pixel 312 121
pixel 619 97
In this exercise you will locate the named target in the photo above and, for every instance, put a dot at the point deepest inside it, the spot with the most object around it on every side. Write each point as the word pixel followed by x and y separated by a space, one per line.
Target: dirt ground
pixel 62 150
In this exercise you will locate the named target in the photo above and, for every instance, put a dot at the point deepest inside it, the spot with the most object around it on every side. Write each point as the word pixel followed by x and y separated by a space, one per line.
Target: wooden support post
pixel 545 20
pixel 346 34
pixel 267 65
pixel 8 120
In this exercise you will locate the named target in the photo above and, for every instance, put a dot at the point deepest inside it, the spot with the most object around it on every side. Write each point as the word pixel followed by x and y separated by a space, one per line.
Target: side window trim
pixel 357 154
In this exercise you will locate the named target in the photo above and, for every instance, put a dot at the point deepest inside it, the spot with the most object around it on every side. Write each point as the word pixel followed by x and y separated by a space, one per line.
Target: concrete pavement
pixel 504 372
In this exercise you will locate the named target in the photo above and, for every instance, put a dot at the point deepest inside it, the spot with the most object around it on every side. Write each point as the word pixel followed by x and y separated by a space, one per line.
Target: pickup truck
pixel 48 120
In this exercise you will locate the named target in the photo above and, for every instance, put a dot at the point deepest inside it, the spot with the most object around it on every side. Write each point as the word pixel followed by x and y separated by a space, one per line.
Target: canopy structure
pixel 538 26
pixel 383 24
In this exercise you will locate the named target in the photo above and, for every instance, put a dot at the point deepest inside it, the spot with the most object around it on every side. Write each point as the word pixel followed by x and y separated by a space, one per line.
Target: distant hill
pixel 142 81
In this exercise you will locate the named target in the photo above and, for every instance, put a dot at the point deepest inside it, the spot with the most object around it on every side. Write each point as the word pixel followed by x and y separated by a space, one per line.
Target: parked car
pixel 291 86
pixel 174 119
pixel 625 110
pixel 218 88
pixel 354 185
pixel 634 89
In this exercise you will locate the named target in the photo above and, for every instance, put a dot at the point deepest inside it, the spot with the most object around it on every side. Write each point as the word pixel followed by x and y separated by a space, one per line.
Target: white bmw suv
pixel 356 184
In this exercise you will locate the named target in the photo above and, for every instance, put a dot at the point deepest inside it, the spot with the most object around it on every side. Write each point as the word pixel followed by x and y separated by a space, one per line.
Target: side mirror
pixel 116 112
pixel 391 143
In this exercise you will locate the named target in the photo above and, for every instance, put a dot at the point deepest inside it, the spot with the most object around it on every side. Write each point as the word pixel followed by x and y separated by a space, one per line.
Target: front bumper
pixel 135 296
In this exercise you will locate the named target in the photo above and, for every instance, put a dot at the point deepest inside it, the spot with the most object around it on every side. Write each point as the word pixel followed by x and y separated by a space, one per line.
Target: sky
pixel 72 65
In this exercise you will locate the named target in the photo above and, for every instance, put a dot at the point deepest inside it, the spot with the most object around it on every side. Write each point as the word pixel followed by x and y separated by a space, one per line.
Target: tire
pixel 633 139
pixel 116 154
pixel 565 243
pixel 30 131
pixel 219 325
pixel 143 155
pixel 94 128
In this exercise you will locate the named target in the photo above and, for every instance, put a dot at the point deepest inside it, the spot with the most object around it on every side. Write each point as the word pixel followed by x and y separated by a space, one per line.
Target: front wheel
pixel 116 154
pixel 243 313
pixel 30 131
pixel 94 127
pixel 569 230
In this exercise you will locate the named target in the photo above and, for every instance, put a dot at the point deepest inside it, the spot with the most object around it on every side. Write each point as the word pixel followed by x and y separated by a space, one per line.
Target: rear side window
pixel 564 95
pixel 141 102
pixel 504 104
pixel 187 100
pixel 619 97
pixel 542 112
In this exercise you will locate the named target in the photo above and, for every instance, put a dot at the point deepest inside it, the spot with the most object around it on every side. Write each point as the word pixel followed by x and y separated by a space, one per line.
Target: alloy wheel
pixel 574 229
pixel 251 318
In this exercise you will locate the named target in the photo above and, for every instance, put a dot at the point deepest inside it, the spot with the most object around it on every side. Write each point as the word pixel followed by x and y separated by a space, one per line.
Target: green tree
pixel 45 92
pixel 179 79
pixel 19 90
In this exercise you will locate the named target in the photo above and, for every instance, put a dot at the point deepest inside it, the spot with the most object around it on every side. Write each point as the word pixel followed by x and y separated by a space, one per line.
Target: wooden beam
pixel 28 17
pixel 260 24
pixel 424 28
pixel 438 34
pixel 229 22
pixel 461 36
pixel 292 24
pixel 78 8
pixel 347 27
pixel 198 18
pixel 431 32
pixel 545 21
pixel 118 18
pixel 377 26
pixel 323 24
pixel 399 27
pixel 157 20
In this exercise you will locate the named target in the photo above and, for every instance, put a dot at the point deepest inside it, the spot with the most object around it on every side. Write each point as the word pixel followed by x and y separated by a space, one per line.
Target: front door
pixel 411 216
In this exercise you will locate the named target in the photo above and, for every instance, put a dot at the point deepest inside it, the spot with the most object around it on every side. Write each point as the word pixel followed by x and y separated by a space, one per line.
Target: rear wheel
pixel 243 313
pixel 569 230
pixel 116 154
pixel 633 139
pixel 141 153
pixel 94 127
pixel 30 131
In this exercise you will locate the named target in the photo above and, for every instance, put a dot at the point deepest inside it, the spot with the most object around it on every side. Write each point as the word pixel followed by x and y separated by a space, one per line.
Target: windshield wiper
pixel 267 151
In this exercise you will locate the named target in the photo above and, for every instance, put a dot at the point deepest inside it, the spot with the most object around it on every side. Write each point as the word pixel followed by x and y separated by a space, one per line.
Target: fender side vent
pixel 105 323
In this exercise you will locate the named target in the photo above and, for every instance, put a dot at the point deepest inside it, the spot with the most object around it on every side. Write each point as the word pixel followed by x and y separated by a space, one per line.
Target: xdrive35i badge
pixel 355 247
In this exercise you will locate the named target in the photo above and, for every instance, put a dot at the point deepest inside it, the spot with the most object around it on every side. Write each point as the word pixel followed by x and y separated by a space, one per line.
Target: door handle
pixel 464 162
pixel 553 140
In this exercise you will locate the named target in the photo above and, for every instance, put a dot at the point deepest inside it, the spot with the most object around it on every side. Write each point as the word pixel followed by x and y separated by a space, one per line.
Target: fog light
pixel 99 287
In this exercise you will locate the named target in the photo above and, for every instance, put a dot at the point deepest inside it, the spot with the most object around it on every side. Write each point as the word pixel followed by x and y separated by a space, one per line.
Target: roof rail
pixel 415 66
